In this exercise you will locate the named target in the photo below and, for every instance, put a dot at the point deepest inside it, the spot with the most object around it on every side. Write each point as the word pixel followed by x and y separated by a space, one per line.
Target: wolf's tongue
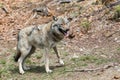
pixel 66 34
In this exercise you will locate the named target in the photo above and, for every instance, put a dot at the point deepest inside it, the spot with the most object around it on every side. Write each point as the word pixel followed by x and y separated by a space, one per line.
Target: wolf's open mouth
pixel 64 31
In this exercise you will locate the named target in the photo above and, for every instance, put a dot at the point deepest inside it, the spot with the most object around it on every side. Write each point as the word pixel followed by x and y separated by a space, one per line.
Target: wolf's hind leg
pixel 24 54
pixel 32 50
pixel 20 62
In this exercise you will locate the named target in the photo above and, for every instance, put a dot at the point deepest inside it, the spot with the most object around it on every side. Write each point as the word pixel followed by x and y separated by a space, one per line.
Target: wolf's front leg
pixel 58 56
pixel 46 56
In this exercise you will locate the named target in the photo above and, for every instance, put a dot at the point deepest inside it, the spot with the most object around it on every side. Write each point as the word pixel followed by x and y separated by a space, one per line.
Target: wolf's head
pixel 60 27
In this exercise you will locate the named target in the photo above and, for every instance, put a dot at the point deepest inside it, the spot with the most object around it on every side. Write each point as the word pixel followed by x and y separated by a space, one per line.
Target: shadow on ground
pixel 34 69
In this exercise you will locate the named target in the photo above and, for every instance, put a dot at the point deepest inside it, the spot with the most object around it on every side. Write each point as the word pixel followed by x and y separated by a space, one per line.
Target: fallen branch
pixel 4 9
pixel 64 1
pixel 96 69
pixel 114 4
pixel 113 33
pixel 68 1
pixel 110 6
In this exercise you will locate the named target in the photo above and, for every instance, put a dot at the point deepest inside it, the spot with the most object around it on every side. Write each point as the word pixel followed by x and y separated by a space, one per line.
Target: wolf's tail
pixel 17 56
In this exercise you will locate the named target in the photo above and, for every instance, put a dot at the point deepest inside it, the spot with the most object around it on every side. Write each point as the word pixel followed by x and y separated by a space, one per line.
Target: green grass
pixel 116 15
pixel 9 69
pixel 86 59
pixel 3 61
pixel 117 8
pixel 86 26
pixel 4 70
pixel 1 5
pixel 118 49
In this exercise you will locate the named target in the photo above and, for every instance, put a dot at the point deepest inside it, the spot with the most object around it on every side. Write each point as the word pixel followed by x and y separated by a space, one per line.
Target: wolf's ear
pixel 55 18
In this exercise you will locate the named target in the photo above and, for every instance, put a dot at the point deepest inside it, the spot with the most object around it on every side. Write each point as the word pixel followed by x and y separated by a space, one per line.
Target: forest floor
pixel 93 54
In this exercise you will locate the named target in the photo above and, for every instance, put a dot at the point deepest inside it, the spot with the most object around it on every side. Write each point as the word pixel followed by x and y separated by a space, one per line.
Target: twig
pixel 4 9
pixel 114 4
pixel 64 1
pixel 96 69
pixel 113 33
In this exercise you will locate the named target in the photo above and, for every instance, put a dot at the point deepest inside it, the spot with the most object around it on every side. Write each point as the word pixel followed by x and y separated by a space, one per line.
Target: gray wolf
pixel 45 36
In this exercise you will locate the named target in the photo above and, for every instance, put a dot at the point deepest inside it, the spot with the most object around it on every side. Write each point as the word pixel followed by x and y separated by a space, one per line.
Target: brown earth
pixel 94 46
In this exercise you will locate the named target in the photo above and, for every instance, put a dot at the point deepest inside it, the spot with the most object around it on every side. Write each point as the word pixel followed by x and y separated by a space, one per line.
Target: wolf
pixel 45 36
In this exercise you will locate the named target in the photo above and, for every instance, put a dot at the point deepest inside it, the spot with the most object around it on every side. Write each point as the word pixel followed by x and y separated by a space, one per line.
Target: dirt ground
pixel 93 54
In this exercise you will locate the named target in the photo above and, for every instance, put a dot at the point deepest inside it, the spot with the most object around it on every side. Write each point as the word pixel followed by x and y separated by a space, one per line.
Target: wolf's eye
pixel 62 24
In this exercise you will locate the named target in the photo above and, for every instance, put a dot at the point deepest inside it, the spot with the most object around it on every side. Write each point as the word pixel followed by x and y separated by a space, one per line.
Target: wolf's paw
pixel 61 62
pixel 22 72
pixel 49 71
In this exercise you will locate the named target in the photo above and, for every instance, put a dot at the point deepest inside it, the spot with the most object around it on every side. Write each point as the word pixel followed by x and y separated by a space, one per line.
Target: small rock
pixel 14 48
pixel 81 49
pixel 75 56
pixel 118 70
pixel 116 39
pixel 104 56
pixel 116 77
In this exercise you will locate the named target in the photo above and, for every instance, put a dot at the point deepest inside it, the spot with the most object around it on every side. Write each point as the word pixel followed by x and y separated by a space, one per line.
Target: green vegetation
pixel 86 59
pixel 117 13
pixel 3 62
pixel 118 49
pixel 117 8
pixel 1 5
pixel 86 26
